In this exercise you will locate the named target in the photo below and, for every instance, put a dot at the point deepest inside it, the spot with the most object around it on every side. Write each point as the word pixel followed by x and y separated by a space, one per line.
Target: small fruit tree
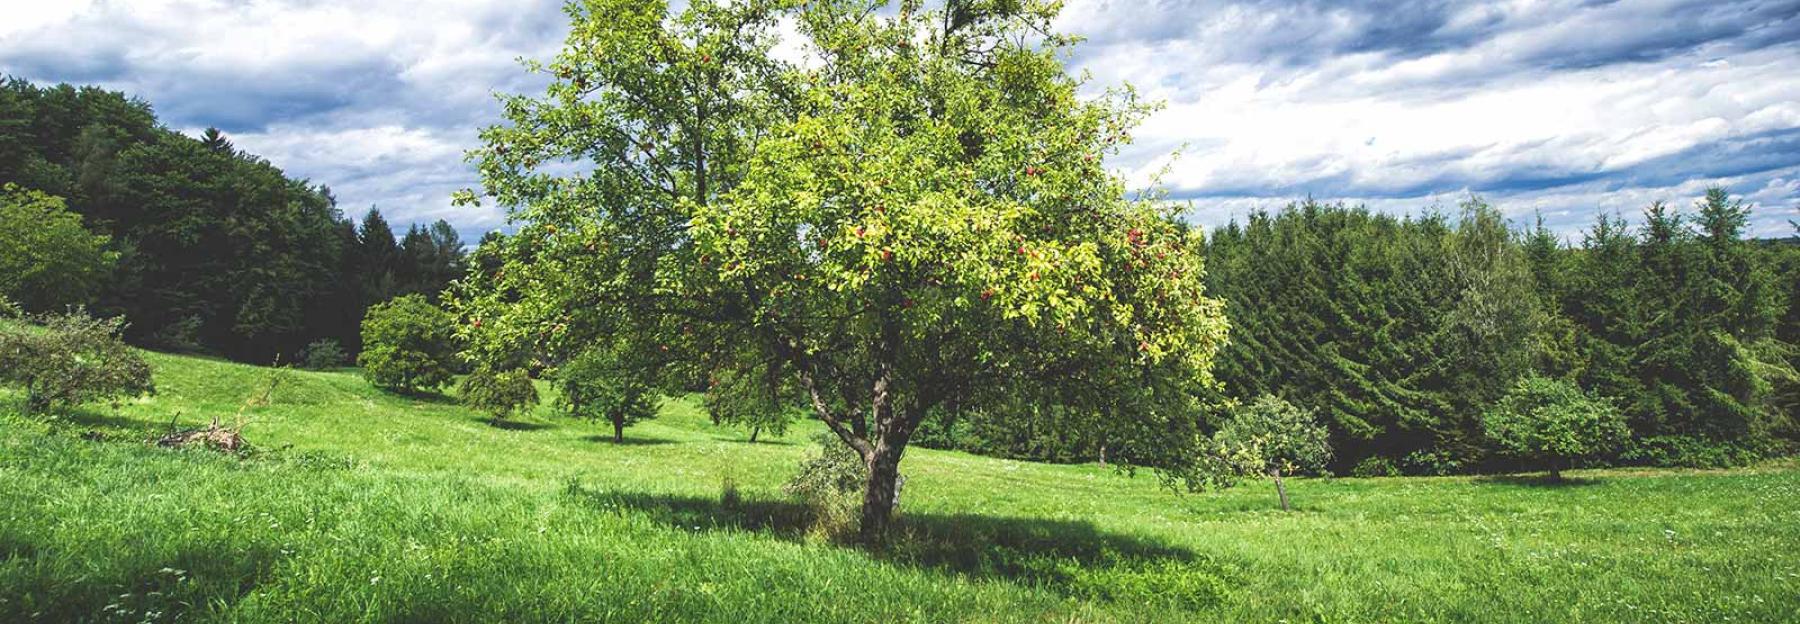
pixel 1272 437
pixel 1551 423
pixel 596 385
pixel 915 216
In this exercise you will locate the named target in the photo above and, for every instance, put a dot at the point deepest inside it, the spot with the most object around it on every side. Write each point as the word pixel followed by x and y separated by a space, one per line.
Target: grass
pixel 365 506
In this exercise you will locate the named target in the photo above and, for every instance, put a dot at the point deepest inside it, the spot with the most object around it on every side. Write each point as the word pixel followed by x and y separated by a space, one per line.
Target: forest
pixel 207 248
pixel 1402 330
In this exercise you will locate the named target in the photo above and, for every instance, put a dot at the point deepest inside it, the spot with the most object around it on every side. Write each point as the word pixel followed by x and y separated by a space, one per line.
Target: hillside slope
pixel 364 506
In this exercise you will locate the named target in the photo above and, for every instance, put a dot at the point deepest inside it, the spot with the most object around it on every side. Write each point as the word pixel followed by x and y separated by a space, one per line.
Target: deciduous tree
pixel 918 217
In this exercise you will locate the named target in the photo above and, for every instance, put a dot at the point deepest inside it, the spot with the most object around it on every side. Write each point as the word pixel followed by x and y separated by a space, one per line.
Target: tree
pixel 596 387
pixel 408 345
pixel 752 399
pixel 497 393
pixel 379 255
pixel 72 358
pixel 47 259
pixel 921 219
pixel 1553 423
pixel 1271 437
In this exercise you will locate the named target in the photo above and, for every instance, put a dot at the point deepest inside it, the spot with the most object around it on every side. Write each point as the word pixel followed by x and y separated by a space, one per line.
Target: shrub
pixel 596 386
pixel 1552 423
pixel 827 483
pixel 408 345
pixel 1375 466
pixel 322 354
pixel 1272 437
pixel 1692 452
pixel 1432 462
pixel 47 259
pixel 71 359
pixel 497 394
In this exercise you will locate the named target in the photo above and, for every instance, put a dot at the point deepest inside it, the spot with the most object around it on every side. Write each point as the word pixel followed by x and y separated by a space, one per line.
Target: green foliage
pixel 322 354
pixel 826 483
pixel 1375 466
pixel 899 228
pixel 409 345
pixel 1397 331
pixel 1401 332
pixel 70 359
pixel 598 385
pixel 497 393
pixel 751 400
pixel 1552 423
pixel 47 259
pixel 1271 436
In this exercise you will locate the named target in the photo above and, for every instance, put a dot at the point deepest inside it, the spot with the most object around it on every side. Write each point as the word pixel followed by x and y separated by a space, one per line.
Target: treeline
pixel 210 248
pixel 1402 332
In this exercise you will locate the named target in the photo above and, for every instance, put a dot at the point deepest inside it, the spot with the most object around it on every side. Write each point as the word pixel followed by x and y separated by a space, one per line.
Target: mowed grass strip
pixel 365 506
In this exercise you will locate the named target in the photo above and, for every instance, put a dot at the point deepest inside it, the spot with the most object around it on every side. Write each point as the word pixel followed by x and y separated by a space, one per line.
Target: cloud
pixel 1565 108
pixel 376 100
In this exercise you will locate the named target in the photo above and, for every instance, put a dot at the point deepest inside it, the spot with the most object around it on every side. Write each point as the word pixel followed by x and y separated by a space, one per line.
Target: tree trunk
pixel 882 493
pixel 1280 488
pixel 1103 455
pixel 618 430
pixel 753 432
pixel 1555 471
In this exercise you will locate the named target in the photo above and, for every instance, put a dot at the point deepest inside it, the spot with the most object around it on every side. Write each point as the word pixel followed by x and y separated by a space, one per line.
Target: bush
pixel 1375 466
pixel 497 394
pixel 1552 423
pixel 47 260
pixel 322 354
pixel 408 345
pixel 1692 452
pixel 828 484
pixel 596 386
pixel 71 359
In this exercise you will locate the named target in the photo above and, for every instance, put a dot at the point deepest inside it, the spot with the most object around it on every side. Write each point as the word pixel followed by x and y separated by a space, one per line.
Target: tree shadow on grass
pixel 628 441
pixel 515 425
pixel 758 442
pixel 137 586
pixel 1070 557
pixel 1537 480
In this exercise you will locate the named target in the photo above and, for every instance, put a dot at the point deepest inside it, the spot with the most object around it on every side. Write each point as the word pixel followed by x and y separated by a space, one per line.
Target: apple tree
pixel 1270 437
pixel 906 211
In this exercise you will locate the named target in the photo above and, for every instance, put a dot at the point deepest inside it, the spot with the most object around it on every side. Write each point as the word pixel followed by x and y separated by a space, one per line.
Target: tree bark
pixel 753 432
pixel 882 493
pixel 1280 488
pixel 618 430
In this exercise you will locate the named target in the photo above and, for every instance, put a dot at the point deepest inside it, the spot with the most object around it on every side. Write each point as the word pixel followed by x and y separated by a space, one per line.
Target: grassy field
pixel 363 506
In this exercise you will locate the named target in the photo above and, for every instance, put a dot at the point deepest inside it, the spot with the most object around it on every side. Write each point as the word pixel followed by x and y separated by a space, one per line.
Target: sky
pixel 1551 108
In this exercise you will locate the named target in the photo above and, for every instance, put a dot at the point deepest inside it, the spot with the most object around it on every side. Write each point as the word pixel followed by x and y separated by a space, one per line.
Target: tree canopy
pixel 920 220
pixel 47 259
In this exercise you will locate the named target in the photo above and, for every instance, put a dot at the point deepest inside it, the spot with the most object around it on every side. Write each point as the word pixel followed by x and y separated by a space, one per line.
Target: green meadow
pixel 356 505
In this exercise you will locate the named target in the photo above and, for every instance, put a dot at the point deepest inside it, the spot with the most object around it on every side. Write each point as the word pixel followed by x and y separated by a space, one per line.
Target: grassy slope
pixel 368 506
